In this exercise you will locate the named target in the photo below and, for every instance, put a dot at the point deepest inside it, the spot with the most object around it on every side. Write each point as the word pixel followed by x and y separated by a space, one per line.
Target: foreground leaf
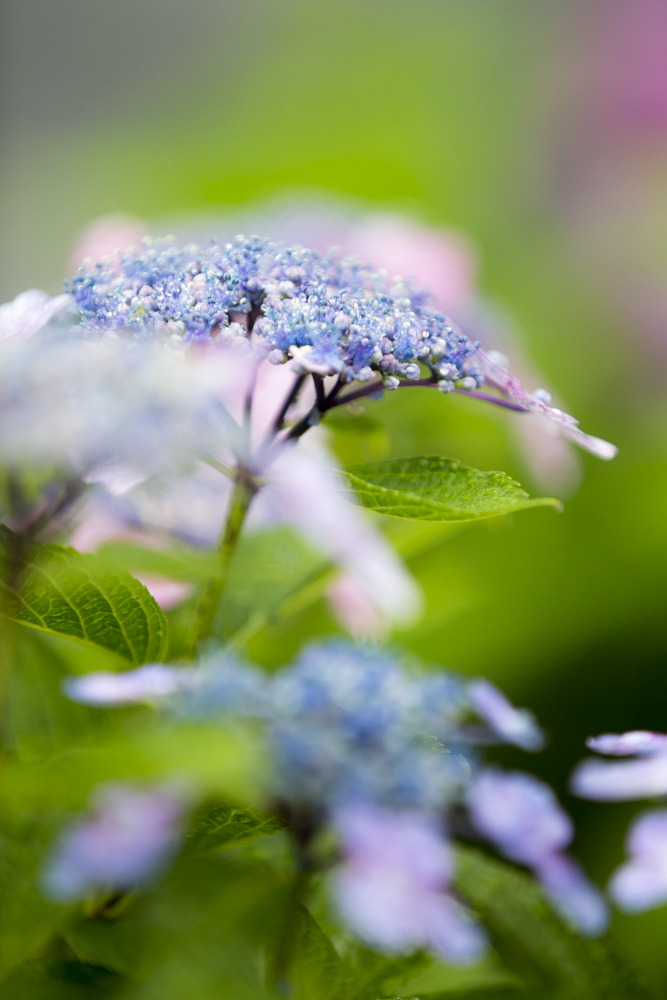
pixel 63 592
pixel 552 960
pixel 438 489
pixel 224 825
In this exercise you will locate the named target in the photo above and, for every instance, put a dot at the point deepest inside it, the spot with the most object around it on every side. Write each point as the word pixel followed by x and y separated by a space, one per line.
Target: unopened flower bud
pixel 391 382
pixel 277 357
pixel 467 384
pixel 412 372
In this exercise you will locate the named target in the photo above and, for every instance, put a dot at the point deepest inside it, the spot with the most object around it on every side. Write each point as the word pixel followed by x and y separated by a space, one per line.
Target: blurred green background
pixel 536 127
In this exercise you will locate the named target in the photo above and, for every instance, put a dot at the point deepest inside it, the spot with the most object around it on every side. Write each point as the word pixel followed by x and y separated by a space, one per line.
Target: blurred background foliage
pixel 536 127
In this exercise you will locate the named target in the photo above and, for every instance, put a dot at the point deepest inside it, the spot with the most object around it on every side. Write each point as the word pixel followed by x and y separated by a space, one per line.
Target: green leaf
pixel 63 592
pixel 223 761
pixel 535 944
pixel 52 979
pixel 266 569
pixel 224 825
pixel 438 489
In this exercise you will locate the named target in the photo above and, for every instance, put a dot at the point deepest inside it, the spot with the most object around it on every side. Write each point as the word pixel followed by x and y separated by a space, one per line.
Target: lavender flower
pixel 220 681
pixel 643 777
pixel 391 887
pixel 641 883
pixel 523 818
pixel 130 836
pixel 152 682
pixel 517 726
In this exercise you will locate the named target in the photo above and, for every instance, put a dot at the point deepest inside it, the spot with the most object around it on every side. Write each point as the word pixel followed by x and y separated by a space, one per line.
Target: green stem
pixel 280 973
pixel 244 490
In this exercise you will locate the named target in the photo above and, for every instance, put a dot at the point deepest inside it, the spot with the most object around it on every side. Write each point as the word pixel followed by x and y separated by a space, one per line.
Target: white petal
pixel 28 313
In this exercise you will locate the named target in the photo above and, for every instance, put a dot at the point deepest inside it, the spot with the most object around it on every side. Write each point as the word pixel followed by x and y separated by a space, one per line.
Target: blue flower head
pixel 331 316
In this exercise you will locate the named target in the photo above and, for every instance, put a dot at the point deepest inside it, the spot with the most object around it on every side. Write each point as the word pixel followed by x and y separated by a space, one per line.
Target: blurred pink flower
pixel 438 260
pixel 104 237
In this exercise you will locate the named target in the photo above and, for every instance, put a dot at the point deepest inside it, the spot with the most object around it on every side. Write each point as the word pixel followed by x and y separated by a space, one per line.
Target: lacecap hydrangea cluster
pixel 385 755
pixel 328 315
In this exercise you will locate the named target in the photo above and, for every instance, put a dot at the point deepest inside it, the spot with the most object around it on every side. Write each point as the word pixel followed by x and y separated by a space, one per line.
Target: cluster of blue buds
pixel 382 753
pixel 344 722
pixel 328 315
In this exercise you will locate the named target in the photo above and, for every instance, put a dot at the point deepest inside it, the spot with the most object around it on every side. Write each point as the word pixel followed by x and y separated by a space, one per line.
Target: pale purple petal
pixel 631 779
pixel 311 495
pixel 391 888
pixel 520 814
pixel 567 425
pixel 641 883
pixel 130 836
pixel 354 609
pixel 573 894
pixel 517 726
pixel 637 741
pixel 148 683
pixel 28 313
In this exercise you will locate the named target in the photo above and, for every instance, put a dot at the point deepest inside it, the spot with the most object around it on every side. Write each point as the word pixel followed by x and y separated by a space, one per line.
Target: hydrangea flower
pixel 642 777
pixel 392 886
pixel 521 815
pixel 641 882
pixel 328 315
pixel 509 724
pixel 129 837
pixel 381 753
pixel 80 407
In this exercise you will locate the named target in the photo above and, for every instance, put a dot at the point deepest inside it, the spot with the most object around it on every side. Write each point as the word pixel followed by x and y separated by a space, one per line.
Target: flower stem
pixel 243 492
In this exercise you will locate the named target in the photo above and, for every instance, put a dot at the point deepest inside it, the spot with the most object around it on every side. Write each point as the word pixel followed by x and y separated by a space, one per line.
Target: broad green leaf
pixel 178 562
pixel 438 489
pixel 317 968
pixel 26 918
pixel 486 978
pixel 535 944
pixel 266 569
pixel 224 825
pixel 219 760
pixel 61 591
pixel 55 979
pixel 367 975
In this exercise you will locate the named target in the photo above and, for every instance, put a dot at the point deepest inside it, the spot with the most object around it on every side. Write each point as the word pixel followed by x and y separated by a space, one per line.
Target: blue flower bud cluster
pixel 328 315
pixel 345 722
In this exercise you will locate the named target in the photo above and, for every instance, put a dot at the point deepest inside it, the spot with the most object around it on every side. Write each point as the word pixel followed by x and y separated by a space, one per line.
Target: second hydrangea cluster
pixel 384 754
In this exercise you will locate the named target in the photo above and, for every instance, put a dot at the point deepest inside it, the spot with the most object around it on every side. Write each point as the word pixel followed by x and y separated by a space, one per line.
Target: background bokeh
pixel 537 128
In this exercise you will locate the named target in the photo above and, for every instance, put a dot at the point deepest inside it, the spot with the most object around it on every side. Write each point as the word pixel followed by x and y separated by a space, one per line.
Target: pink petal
pixel 567 425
